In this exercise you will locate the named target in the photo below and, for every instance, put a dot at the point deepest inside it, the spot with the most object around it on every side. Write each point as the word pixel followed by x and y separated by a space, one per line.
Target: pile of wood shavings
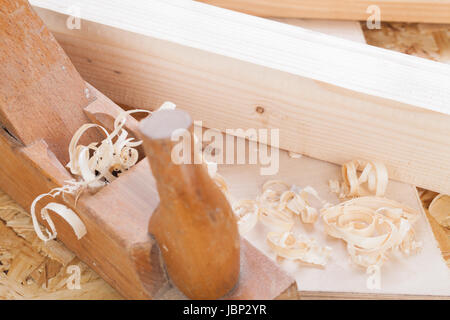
pixel 278 207
pixel 372 180
pixel 94 166
pixel 372 226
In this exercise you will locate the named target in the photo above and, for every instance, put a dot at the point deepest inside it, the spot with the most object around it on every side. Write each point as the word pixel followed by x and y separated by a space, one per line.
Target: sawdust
pixel 32 269
pixel 430 41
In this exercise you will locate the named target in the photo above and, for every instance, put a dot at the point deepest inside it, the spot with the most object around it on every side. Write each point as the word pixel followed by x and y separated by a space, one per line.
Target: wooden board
pixel 432 11
pixel 332 99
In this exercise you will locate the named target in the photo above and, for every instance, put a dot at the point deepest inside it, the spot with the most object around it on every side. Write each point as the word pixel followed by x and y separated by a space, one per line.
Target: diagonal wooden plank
pixel 431 11
pixel 332 99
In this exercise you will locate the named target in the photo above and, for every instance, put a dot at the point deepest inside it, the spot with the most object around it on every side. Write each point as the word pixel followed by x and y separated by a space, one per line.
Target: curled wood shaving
pixel 275 218
pixel 272 191
pixel 30 269
pixel 289 200
pixel 93 166
pixel 108 160
pixel 373 179
pixel 280 202
pixel 307 251
pixel 372 227
pixel 247 213
pixel 440 209
pixel 67 214
pixel 277 208
pixel 297 204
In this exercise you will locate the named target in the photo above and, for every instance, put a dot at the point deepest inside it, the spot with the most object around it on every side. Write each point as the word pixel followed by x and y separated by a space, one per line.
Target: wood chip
pixel 440 209
pixel 373 228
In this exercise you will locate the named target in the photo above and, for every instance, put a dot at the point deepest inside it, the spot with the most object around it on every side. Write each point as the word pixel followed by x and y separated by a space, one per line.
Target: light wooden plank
pixel 431 11
pixel 332 99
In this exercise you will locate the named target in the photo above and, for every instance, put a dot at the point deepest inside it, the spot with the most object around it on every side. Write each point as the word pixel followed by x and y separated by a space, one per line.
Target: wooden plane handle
pixel 194 225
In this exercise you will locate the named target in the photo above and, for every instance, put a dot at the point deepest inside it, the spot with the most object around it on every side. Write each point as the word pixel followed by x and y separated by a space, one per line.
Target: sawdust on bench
pixel 429 41
pixel 32 269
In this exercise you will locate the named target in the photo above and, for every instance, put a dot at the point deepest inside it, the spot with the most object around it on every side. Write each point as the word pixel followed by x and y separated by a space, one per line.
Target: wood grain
pixel 332 99
pixel 44 97
pixel 431 11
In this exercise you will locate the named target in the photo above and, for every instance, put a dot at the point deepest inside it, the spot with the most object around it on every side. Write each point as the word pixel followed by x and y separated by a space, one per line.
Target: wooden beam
pixel 430 11
pixel 332 99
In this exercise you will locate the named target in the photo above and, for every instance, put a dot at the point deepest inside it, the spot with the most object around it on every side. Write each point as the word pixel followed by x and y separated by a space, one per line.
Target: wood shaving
pixel 373 179
pixel 30 269
pixel 277 208
pixel 297 204
pixel 285 202
pixel 64 212
pixel 277 219
pixel 272 191
pixel 373 228
pixel 440 209
pixel 307 251
pixel 247 213
pixel 93 167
